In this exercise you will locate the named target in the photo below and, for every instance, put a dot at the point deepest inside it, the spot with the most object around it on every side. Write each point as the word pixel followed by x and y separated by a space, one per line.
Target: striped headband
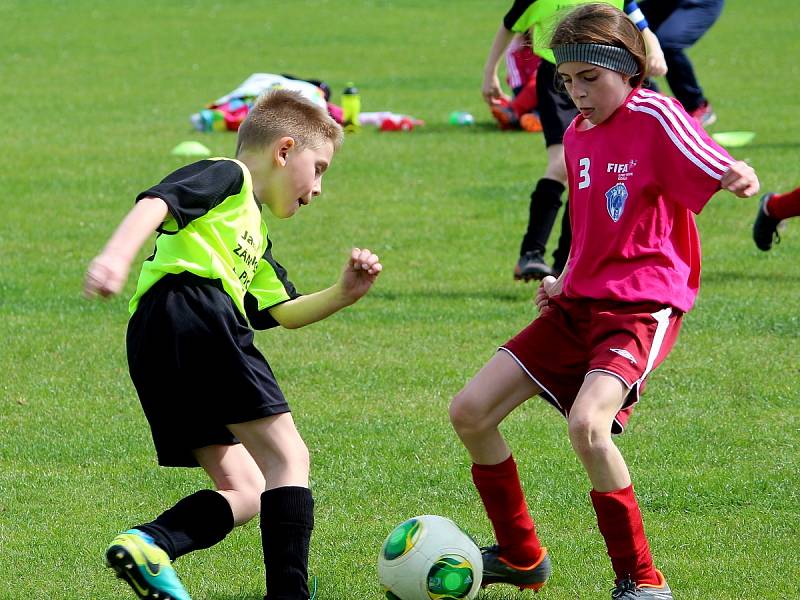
pixel 609 57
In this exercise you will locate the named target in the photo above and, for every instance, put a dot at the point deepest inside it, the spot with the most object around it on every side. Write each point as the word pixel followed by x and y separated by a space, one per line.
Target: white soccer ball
pixel 429 558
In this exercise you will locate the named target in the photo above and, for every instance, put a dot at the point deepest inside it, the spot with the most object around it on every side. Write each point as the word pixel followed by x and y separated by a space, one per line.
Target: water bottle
pixel 351 107
pixel 461 118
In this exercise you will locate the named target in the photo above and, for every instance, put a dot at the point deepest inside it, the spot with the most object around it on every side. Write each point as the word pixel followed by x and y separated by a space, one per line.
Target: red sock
pixel 620 522
pixel 527 99
pixel 501 492
pixel 783 206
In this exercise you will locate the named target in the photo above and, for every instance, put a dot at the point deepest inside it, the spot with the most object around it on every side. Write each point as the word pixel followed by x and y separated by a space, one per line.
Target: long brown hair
pixel 603 24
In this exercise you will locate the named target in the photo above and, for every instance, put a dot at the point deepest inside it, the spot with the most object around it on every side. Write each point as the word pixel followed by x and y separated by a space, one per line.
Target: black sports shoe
pixel 531 265
pixel 765 228
pixel 498 570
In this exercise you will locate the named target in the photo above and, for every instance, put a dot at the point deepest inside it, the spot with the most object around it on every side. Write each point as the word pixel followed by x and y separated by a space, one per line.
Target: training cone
pixel 733 139
pixel 190 148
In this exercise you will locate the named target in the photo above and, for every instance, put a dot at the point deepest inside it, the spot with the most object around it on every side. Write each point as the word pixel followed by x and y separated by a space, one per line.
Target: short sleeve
pixel 193 190
pixel 689 164
pixel 270 287
pixel 514 19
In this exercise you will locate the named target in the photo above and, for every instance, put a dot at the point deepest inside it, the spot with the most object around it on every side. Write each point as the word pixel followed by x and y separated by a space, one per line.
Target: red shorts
pixel 576 337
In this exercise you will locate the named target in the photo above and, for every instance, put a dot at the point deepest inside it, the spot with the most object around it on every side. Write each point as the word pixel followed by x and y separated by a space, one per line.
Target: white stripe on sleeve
pixel 514 78
pixel 673 113
pixel 691 154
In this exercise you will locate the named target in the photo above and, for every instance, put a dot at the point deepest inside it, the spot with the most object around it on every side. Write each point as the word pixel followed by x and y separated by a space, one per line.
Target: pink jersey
pixel 634 182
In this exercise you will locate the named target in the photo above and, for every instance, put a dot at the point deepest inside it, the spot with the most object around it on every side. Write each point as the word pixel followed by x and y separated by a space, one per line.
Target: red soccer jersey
pixel 634 182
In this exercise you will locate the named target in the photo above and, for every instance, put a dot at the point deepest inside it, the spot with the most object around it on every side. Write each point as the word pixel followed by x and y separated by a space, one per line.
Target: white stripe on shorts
pixel 662 317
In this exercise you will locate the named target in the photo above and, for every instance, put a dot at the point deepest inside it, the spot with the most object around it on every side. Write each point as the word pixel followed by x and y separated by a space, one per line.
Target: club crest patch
pixel 615 201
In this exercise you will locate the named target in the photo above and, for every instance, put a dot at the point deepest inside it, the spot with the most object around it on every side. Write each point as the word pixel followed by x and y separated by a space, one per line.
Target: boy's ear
pixel 282 148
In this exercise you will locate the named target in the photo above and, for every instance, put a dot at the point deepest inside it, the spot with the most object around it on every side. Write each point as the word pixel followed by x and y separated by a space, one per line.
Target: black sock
pixel 287 518
pixel 196 522
pixel 545 202
pixel 561 253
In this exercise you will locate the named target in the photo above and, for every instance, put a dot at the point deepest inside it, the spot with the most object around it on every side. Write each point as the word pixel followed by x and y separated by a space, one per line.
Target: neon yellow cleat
pixel 145 567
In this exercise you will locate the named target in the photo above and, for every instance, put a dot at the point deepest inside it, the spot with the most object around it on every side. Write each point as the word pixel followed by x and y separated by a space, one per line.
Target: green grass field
pixel 95 94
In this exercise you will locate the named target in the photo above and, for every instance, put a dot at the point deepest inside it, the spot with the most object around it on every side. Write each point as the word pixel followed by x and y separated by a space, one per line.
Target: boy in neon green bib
pixel 209 395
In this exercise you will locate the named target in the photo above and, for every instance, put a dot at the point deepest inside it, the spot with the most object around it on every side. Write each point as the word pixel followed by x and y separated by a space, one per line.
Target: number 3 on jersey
pixel 584 173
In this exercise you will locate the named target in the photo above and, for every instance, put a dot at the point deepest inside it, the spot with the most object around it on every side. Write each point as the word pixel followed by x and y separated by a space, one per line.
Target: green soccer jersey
pixel 214 230
pixel 543 16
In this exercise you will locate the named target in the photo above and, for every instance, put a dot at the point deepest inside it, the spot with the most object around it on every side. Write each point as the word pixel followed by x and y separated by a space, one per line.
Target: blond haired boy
pixel 209 395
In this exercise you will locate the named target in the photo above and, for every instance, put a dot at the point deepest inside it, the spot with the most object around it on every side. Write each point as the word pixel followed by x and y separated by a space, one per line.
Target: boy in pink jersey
pixel 638 167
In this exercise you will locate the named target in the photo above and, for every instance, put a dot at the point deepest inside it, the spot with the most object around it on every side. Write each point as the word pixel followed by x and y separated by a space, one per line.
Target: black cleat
pixel 498 570
pixel 765 228
pixel 531 265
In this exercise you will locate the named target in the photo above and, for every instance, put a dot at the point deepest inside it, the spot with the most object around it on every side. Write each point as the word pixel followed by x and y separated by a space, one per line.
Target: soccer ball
pixel 429 558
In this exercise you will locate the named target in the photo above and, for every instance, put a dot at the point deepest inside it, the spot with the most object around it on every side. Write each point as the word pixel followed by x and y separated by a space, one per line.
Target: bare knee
pixel 277 448
pixel 467 415
pixel 290 457
pixel 294 455
pixel 300 456
pixel 589 436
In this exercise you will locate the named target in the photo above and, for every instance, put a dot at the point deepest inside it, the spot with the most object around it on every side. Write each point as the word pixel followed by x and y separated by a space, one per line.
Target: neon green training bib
pixel 543 16
pixel 226 243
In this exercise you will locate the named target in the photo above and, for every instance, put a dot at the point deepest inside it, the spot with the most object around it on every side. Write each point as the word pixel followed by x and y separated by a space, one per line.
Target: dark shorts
pixel 556 108
pixel 192 359
pixel 577 337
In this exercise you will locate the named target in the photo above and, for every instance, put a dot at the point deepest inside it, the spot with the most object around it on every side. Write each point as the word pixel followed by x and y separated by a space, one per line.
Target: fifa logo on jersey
pixel 617 168
pixel 623 171
pixel 615 201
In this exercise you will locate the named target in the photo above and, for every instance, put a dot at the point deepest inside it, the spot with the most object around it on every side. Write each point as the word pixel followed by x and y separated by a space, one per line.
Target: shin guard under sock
pixel 287 519
pixel 620 522
pixel 545 202
pixel 502 496
pixel 196 522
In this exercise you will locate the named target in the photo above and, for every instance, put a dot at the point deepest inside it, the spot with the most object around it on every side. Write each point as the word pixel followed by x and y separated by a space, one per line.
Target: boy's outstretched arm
pixel 358 275
pixel 108 271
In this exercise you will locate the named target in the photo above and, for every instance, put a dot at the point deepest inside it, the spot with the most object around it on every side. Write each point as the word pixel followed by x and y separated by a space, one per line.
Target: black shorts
pixel 556 109
pixel 192 359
